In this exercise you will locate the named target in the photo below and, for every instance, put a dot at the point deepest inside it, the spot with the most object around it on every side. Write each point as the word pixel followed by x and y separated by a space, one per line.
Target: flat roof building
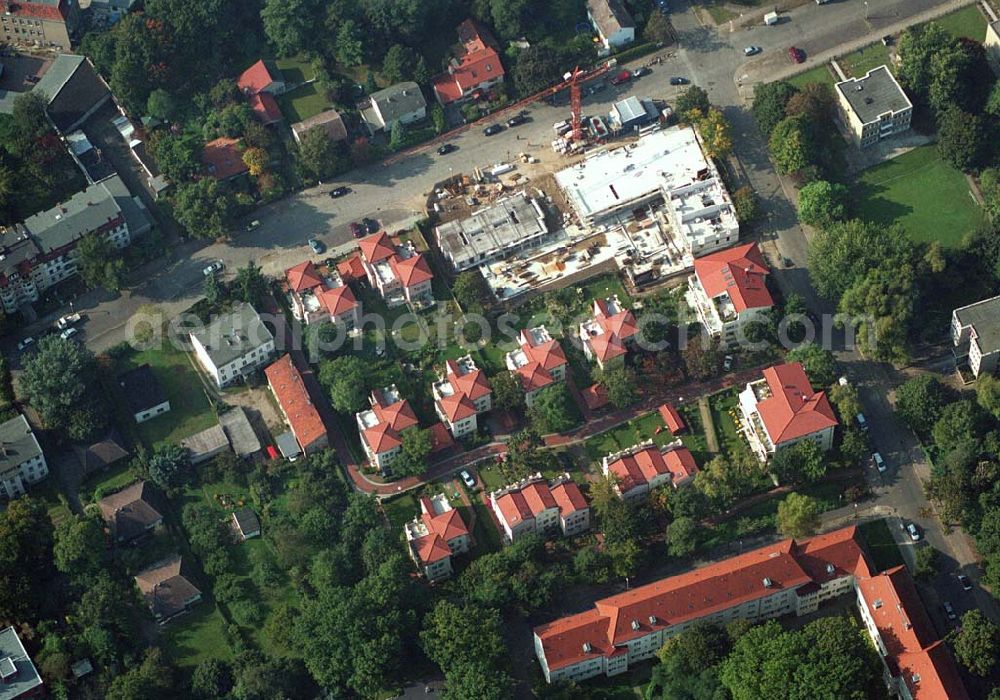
pixel 18 676
pixel 21 458
pixel 975 333
pixel 873 107
pixel 503 228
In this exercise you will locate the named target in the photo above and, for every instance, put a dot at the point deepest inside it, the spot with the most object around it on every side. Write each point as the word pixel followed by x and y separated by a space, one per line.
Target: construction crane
pixel 575 104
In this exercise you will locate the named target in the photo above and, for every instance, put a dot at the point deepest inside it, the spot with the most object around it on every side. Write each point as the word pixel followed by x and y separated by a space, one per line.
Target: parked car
pixel 878 462
pixel 446 148
pixel 253 225
pixel 751 50
pixel 356 229
pixel 595 88
pixel 339 191
pixel 677 80
pixel 213 268
pixel 68 333
pixel 517 120
pixel 467 479
pixel 862 423
pixel 886 40
pixel 370 225
pixel 966 583
pixel 796 54
pixel 317 246
pixel 68 320
pixel 914 533
pixel 26 343
pixel 621 78
pixel 641 71
pixel 492 129
pixel 949 610
pixel 727 363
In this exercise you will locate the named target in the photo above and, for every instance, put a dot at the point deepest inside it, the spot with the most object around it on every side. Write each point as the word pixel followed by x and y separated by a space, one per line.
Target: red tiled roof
pixel 640 468
pixel 681 463
pixel 399 416
pixel 457 406
pixel 352 268
pixel 431 548
pixel 286 383
pixel 478 66
pixel 931 674
pixel 255 78
pixel 473 384
pixel 568 497
pixel 548 354
pixel 533 376
pixel 376 247
pixel 606 346
pixel 674 600
pixel 223 158
pixel 266 108
pixel 738 272
pixel 52 13
pixel 381 438
pixel 514 508
pixel 622 324
pixel 595 396
pixel 448 525
pixel 411 271
pixel 441 439
pixel 793 409
pixel 303 276
pixel 447 89
pixel 672 419
pixel 337 300
pixel 538 497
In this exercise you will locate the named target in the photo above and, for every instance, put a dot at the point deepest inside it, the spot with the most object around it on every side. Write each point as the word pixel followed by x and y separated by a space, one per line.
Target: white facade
pixel 718 316
pixel 975 333
pixel 761 442
pixel 22 461
pixel 149 413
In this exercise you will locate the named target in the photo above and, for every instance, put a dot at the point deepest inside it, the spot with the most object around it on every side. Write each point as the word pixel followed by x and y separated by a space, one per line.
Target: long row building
pixel 786 578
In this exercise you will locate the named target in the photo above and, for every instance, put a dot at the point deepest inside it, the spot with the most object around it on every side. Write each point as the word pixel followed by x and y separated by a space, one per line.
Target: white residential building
pixel 535 505
pixel 403 103
pixel 397 271
pixel 873 107
pixel 22 461
pixel 645 467
pixel 460 395
pixel 437 535
pixel 975 333
pixel 233 345
pixel 381 427
pixel 538 363
pixel 728 290
pixel 613 23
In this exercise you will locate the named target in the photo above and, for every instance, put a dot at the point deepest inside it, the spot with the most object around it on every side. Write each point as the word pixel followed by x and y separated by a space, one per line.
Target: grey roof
pixel 101 453
pixel 136 215
pixel 13 658
pixel 131 511
pixel 166 588
pixel 64 223
pixel 240 432
pixel 331 121
pixel 609 16
pixel 233 335
pixel 288 446
pixel 488 232
pixel 246 520
pixel 398 100
pixel 17 247
pixel 874 94
pixel 204 445
pixel 141 388
pixel 58 74
pixel 17 444
pixel 74 90
pixel 632 110
pixel 984 317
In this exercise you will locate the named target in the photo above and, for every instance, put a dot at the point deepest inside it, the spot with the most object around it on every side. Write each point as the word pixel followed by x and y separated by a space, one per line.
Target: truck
pixel 771 18
pixel 68 320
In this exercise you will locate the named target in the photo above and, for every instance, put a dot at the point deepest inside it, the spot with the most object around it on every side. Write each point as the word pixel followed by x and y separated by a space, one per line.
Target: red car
pixel 796 54
pixel 357 230
pixel 621 78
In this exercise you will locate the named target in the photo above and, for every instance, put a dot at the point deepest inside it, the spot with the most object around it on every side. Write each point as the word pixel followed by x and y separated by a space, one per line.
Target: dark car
pixel 492 129
pixel 677 80
pixel 622 78
pixel 316 246
pixel 595 88
pixel 370 225
pixel 966 583
pixel 641 71
pixel 796 54
pixel 446 148
pixel 356 229
pixel 517 120
pixel 339 191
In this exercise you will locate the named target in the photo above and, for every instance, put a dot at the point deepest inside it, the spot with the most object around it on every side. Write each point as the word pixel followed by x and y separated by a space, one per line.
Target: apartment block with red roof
pixel 41 23
pixel 917 666
pixel 285 381
pixel 728 290
pixel 645 467
pixel 475 71
pixel 460 395
pixel 260 84
pixel 316 297
pixel 785 578
pixel 538 363
pixel 781 409
pixel 607 336
pixel 435 536
pixel 382 426
pixel 535 505
pixel 399 273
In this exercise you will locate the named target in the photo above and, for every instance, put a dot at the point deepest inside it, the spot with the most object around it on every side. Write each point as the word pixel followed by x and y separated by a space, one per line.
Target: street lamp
pixel 866 10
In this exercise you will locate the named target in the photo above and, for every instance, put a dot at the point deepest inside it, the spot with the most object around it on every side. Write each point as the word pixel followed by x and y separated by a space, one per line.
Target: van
pixel 771 18
pixel 862 423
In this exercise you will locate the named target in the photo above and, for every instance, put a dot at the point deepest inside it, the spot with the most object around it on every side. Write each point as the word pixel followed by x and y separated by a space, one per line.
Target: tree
pixel 819 363
pixel 842 254
pixel 212 290
pixel 822 203
pixel 350 44
pixel 56 378
pixel 552 411
pixel 683 537
pixel 402 63
pixel 977 643
pixel 716 133
pixel 699 646
pixel 464 642
pixel 152 678
pixel 25 558
pixel 962 139
pixel 920 401
pixel 288 24
pixel 917 47
pixel 417 445
pixel 99 262
pixel 79 548
pixel 746 205
pixel 959 422
pixel 702 360
pixel 29 122
pixel 319 156
pixel 658 28
pixel 160 105
pixel 620 385
pixel 988 394
pixel 815 102
pixel 169 465
pixel 205 208
pixel 438 119
pixel 346 382
pixel 692 99
pixel 256 160
pixel 211 679
pixel 792 145
pixel 398 136
pixel 801 463
pixel 926 559
pixel 249 285
pixel 956 78
pixel 507 391
pixel 798 515
pixel 471 291
pixel 769 101
pixel 179 157
pixel 881 308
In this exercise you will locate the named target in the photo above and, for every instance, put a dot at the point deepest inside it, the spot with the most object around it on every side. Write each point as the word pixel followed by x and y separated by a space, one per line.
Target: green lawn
pixel 881 545
pixel 303 102
pixel 190 410
pixel 720 13
pixel 928 197
pixel 295 70
pixel 107 481
pixel 722 404
pixel 55 503
pixel 197 635
pixel 401 510
pixel 968 22
pixel 644 428
pixel 856 64
pixel 819 74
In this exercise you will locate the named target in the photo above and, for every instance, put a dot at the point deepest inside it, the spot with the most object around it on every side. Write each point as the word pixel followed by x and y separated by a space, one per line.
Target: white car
pixel 752 50
pixel 68 333
pixel 26 343
pixel 68 320
pixel 879 462
pixel 914 532
pixel 213 268
pixel 467 478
